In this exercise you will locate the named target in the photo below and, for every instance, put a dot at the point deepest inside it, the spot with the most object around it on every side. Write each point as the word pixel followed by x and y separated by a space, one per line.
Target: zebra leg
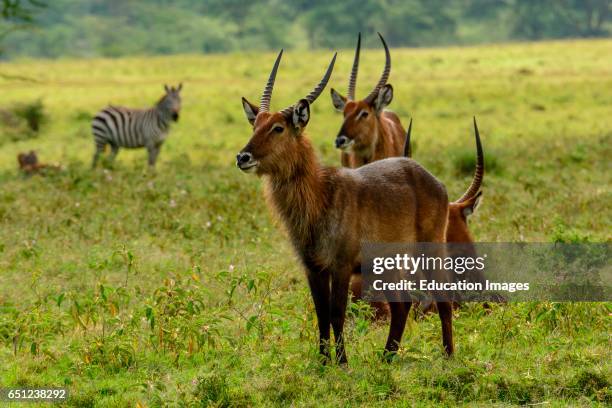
pixel 114 151
pixel 97 153
pixel 153 152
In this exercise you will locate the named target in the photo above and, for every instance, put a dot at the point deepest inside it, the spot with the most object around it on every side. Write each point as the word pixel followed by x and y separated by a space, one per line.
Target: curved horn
pixel 314 94
pixel 353 77
pixel 266 96
pixel 407 149
pixel 479 173
pixel 385 75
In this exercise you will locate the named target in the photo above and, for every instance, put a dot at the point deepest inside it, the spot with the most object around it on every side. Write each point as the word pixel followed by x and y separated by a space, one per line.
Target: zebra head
pixel 170 104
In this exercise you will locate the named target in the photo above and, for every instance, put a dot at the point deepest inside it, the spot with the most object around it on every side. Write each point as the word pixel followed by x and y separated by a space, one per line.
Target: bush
pixel 33 114
pixel 591 384
pixel 213 389
pixel 22 121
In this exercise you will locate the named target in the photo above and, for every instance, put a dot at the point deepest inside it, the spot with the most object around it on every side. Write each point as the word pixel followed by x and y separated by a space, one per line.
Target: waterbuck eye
pixel 278 129
pixel 363 114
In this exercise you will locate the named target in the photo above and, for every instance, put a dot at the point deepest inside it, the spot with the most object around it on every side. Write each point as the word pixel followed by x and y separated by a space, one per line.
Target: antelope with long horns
pixel 328 212
pixel 459 211
pixel 368 132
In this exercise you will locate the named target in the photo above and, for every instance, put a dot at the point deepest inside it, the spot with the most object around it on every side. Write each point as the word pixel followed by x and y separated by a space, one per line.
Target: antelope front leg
pixel 319 289
pixel 445 310
pixel 339 295
pixel 399 314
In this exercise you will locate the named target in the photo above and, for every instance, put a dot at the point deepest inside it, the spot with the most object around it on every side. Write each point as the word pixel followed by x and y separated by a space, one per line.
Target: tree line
pixel 88 28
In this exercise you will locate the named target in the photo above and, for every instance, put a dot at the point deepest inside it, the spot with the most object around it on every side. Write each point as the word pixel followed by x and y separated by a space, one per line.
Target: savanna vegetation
pixel 177 288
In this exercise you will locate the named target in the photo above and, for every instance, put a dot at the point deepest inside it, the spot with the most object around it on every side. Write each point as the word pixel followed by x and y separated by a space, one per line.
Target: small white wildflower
pixel 172 203
pixel 231 268
pixel 219 218
pixel 208 224
pixel 77 204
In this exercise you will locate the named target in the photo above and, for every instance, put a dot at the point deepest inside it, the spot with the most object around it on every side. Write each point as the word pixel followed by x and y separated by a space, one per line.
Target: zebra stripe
pixel 134 128
pixel 124 127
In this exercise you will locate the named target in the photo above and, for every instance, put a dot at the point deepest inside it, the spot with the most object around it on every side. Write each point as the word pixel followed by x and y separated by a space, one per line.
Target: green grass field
pixel 178 288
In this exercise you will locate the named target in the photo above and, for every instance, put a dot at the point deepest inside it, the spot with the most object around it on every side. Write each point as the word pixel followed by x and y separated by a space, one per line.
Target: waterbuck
pixel 329 212
pixel 368 132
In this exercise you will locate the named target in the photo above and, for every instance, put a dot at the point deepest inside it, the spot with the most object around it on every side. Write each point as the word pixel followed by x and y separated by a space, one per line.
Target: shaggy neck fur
pixel 298 192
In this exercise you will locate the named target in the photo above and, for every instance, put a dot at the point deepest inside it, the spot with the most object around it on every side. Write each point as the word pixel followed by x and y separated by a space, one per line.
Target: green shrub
pixel 33 113
pixel 212 389
pixel 22 121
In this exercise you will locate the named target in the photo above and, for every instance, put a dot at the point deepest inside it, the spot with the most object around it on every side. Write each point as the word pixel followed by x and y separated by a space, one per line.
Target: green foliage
pixel 94 28
pixel 20 10
pixel 22 121
pixel 178 289
pixel 212 389
pixel 593 384
pixel 33 114
pixel 553 19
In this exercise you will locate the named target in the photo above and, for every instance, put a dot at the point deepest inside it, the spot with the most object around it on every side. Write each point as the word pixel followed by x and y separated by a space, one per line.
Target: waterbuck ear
pixel 338 100
pixel 301 114
pixel 250 110
pixel 166 88
pixel 384 98
pixel 180 86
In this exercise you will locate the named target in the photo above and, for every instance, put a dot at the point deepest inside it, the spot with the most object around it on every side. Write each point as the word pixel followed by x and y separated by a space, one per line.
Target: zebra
pixel 134 128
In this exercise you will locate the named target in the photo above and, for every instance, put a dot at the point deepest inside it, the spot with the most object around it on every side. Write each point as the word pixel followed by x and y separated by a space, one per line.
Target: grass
pixel 177 288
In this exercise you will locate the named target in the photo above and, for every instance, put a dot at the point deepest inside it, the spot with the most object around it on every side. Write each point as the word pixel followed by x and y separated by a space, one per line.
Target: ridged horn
pixel 479 173
pixel 314 94
pixel 385 75
pixel 407 149
pixel 353 77
pixel 266 96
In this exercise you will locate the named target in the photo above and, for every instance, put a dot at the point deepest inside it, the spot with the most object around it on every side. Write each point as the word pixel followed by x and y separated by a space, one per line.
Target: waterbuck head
pixel 273 147
pixel 358 131
pixel 460 210
pixel 170 104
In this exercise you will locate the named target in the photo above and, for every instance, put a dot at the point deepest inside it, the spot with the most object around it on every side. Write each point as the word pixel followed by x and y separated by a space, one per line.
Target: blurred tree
pixel 18 15
pixel 481 9
pixel 538 19
pixel 416 22
pixel 336 23
pixel 127 27
pixel 586 16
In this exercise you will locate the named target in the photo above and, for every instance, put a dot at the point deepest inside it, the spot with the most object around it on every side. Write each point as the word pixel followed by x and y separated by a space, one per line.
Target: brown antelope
pixel 368 132
pixel 460 210
pixel 328 212
pixel 457 230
